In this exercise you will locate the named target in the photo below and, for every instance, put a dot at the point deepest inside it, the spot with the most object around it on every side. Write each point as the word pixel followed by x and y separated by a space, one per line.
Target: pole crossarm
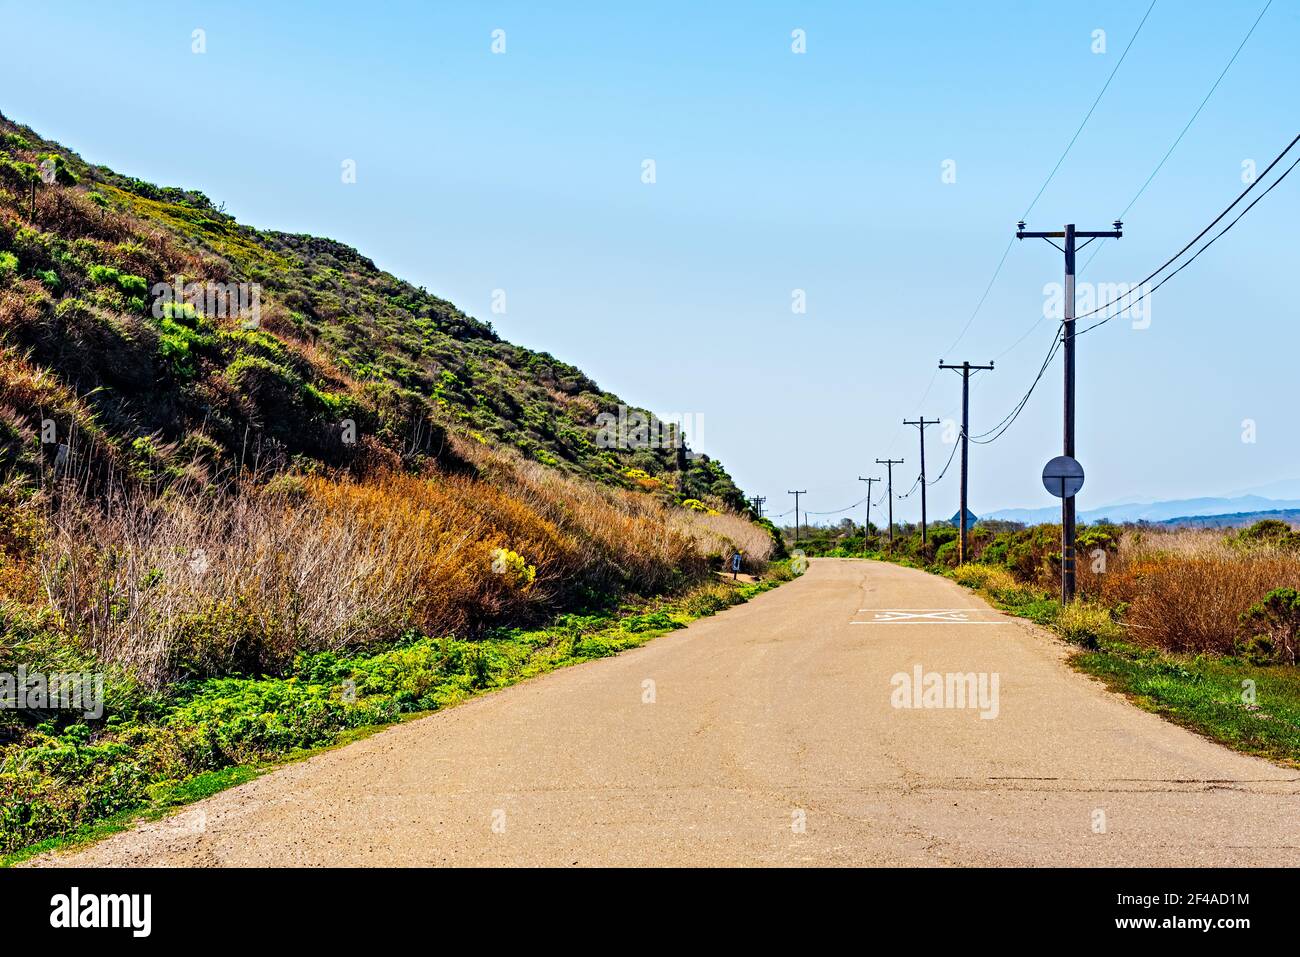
pixel 1116 233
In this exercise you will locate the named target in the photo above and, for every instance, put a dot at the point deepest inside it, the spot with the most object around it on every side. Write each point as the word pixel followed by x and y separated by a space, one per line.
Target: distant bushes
pixel 1267 533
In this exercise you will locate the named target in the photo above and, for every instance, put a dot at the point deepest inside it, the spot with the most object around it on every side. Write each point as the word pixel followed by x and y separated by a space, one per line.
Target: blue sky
pixel 775 171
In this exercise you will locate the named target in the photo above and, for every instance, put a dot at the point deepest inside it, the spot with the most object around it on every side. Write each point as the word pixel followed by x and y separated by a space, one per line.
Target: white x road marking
pixel 922 616
pixel 891 615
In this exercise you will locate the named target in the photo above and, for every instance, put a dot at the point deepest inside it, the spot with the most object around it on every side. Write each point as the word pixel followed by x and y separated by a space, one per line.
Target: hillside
pixel 158 388
pixel 1234 519
pixel 257 493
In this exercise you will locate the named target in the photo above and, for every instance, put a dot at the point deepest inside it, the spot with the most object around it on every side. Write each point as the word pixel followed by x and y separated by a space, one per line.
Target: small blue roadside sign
pixel 971 519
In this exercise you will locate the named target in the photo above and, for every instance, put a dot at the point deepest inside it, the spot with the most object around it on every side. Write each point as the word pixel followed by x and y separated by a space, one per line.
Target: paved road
pixel 772 739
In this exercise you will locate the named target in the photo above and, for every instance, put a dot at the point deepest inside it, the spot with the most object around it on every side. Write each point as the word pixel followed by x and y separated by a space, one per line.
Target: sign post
pixel 1063 477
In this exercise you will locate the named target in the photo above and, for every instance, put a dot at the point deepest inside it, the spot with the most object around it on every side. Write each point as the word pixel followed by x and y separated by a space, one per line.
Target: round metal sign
pixel 1063 476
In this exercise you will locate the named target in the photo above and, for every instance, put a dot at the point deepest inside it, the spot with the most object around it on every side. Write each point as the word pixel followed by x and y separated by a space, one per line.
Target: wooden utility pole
pixel 796 512
pixel 866 529
pixel 965 369
pixel 920 424
pixel 889 490
pixel 1069 236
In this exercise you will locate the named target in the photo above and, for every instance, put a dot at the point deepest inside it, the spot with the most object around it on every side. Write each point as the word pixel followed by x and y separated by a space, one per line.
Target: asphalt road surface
pixel 774 733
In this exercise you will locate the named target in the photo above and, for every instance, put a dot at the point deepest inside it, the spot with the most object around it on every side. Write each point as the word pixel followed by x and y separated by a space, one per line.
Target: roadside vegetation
pixel 160 747
pixel 272 494
pixel 1201 626
pixel 234 625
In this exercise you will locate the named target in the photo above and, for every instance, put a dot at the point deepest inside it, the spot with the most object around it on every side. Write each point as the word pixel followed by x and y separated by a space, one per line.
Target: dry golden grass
pixel 718 534
pixel 1185 590
pixel 238 580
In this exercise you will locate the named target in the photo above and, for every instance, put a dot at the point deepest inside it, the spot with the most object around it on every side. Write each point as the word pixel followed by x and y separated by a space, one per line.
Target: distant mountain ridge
pixel 1157 511
pixel 1236 520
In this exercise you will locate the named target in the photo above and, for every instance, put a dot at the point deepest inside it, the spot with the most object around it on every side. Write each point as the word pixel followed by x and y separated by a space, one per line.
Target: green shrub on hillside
pixel 18 175
pixel 112 276
pixel 179 346
pixel 53 164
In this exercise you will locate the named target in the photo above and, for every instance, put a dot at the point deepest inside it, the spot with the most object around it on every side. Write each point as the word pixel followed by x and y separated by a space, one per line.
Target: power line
pixel 1179 139
pixel 987 289
pixel 1050 176
pixel 997 270
pixel 984 438
pixel 1242 195
pixel 1088 115
pixel 837 511
pixel 1149 179
pixel 951 455
pixel 1198 252
pixel 1010 417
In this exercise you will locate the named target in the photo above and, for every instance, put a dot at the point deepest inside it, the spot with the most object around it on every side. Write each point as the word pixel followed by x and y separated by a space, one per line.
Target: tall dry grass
pixel 1185 590
pixel 610 516
pixel 205 581
pixel 721 533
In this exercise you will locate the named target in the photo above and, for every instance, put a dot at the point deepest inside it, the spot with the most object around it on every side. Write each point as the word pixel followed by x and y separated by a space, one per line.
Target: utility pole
pixel 889 491
pixel 758 504
pixel 796 512
pixel 965 369
pixel 920 424
pixel 866 529
pixel 1068 237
